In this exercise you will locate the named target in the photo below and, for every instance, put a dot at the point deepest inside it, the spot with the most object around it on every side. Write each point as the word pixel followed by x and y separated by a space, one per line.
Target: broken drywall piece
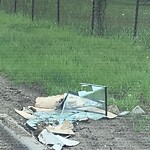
pixel 65 128
pixel 113 109
pixel 50 102
pixel 25 114
pixel 57 141
pixel 67 125
pixel 46 138
pixel 137 110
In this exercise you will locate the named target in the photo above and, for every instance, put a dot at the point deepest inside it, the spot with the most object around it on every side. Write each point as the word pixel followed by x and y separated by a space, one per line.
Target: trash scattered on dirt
pixel 57 141
pixel 57 117
pixel 137 110
pixel 56 114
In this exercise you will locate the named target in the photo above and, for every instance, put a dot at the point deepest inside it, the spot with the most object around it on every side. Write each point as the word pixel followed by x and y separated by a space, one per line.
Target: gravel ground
pixel 116 134
pixel 7 142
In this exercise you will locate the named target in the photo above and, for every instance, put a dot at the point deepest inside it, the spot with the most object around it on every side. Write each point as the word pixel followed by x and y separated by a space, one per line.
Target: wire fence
pixel 117 16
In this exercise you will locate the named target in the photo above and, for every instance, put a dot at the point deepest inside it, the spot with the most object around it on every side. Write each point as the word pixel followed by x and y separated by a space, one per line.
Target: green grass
pixel 140 122
pixel 59 59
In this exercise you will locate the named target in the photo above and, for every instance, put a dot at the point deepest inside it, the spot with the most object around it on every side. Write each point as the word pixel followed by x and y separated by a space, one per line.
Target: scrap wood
pixel 50 102
pixel 24 114
pixel 65 128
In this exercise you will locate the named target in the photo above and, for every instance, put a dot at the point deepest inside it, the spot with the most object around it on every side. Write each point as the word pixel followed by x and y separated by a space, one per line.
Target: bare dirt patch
pixel 116 134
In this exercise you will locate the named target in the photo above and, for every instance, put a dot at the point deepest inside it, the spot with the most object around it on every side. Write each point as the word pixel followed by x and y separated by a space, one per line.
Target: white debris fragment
pixel 124 113
pixel 137 110
pixel 25 114
pixel 57 141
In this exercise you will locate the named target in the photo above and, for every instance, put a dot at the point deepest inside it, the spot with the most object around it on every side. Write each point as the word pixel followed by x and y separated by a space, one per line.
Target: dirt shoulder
pixel 116 134
pixel 12 96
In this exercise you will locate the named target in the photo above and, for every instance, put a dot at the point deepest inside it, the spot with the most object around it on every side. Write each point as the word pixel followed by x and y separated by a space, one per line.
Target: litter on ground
pixel 50 102
pixel 57 114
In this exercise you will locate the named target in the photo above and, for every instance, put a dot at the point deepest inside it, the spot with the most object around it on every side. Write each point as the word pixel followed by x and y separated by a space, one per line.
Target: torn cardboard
pixel 50 102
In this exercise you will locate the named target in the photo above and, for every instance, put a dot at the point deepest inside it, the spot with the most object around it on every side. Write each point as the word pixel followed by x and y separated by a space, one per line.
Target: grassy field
pixel 59 59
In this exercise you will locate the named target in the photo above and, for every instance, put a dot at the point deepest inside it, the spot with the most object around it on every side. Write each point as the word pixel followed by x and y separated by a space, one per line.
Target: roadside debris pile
pixel 53 117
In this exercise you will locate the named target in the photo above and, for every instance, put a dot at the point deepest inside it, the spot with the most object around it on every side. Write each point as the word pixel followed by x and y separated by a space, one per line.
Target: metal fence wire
pixel 87 16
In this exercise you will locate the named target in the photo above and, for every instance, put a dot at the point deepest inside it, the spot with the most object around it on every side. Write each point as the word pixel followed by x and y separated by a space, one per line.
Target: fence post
pixel 93 16
pixel 58 12
pixel 136 19
pixel 32 10
pixel 106 101
pixel 100 16
pixel 15 6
